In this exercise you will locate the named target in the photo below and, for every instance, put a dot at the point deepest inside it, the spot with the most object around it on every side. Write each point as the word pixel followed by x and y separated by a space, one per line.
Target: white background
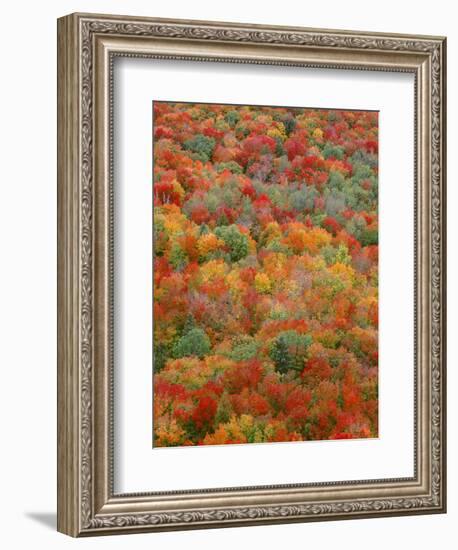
pixel 28 274
pixel 136 82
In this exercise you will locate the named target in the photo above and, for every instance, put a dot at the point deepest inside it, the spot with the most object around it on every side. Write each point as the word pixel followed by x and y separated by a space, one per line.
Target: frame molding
pixel 87 45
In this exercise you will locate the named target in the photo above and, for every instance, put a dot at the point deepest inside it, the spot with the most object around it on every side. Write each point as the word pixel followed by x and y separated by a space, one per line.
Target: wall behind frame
pixel 28 271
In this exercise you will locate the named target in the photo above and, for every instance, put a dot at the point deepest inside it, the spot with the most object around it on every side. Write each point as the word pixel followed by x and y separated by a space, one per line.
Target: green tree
pixel 369 236
pixel 289 350
pixel 333 255
pixel 189 324
pixel 232 117
pixel 279 149
pixel 244 350
pixel 232 166
pixel 280 355
pixel 201 145
pixel 290 124
pixel 235 240
pixel 178 257
pixel 336 180
pixel 299 199
pixel 331 150
pixel 161 354
pixel 195 342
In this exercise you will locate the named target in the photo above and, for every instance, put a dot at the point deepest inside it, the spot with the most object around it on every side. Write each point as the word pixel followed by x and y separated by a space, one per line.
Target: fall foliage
pixel 265 274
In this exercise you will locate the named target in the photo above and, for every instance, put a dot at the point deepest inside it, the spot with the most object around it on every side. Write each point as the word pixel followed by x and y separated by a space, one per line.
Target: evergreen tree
pixel 280 355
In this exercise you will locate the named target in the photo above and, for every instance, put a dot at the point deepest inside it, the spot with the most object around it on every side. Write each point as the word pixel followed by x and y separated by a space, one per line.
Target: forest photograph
pixel 265 274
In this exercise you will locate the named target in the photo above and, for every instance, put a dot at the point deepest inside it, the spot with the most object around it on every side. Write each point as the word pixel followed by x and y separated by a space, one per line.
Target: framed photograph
pixel 251 290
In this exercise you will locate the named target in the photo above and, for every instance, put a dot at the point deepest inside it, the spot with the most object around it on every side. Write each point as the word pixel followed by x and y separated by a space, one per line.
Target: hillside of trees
pixel 265 274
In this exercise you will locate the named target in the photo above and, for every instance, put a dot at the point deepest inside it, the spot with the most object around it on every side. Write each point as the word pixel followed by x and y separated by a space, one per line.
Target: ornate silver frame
pixel 87 45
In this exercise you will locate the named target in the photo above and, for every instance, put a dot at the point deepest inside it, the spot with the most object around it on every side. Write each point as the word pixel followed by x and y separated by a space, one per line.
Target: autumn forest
pixel 265 274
